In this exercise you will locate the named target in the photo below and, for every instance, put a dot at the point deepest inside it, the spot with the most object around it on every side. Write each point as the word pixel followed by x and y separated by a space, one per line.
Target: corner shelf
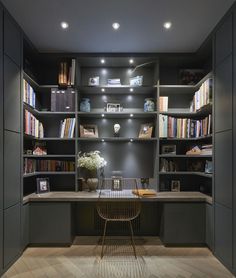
pixel 48 173
pixel 185 156
pixel 30 137
pixel 186 139
pixel 187 173
pixel 49 156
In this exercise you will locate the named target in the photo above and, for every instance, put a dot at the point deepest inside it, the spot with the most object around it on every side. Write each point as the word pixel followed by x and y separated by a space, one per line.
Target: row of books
pixel 163 104
pixel 203 96
pixel 66 76
pixel 28 94
pixel 32 165
pixel 62 100
pixel 184 128
pixel 67 128
pixel 33 126
pixel 167 165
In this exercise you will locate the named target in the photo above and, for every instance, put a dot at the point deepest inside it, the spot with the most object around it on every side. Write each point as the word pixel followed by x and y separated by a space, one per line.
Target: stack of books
pixel 67 128
pixel 168 166
pixel 32 165
pixel 203 96
pixel 62 100
pixel 28 94
pixel 114 82
pixel 206 149
pixel 163 104
pixel 66 76
pixel 33 126
pixel 184 128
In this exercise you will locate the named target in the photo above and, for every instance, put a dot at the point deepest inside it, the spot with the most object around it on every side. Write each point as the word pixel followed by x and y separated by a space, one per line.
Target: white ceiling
pixel 141 24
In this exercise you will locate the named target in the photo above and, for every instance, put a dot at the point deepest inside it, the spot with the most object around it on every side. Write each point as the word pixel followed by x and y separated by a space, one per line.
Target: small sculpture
pixel 116 130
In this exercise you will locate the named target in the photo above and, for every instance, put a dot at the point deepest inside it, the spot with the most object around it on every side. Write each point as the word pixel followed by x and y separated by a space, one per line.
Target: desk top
pixel 82 196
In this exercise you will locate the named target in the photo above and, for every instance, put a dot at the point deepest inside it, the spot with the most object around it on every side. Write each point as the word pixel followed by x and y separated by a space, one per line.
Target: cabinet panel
pixel 25 225
pixel 223 234
pixel 50 223
pixel 1 241
pixel 12 39
pixel 12 235
pixel 223 168
pixel 12 169
pixel 12 99
pixel 183 223
pixel 223 95
pixel 209 226
pixel 223 42
pixel 1 109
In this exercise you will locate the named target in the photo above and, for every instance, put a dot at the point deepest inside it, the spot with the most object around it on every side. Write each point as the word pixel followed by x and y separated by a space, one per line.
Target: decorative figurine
pixel 116 130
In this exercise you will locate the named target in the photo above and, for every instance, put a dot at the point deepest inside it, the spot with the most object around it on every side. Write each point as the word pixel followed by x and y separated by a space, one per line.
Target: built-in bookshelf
pixel 185 152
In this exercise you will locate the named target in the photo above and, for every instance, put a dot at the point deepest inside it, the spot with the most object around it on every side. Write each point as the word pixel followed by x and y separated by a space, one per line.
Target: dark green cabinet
pixel 183 223
pixel 12 39
pixel 25 226
pixel 1 241
pixel 12 234
pixel 209 226
pixel 12 169
pixel 50 223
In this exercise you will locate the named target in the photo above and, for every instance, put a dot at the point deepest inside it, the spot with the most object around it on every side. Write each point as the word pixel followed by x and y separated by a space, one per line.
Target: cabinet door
pixel 1 109
pixel 223 42
pixel 12 169
pixel 209 226
pixel 12 39
pixel 1 241
pixel 12 99
pixel 223 95
pixel 223 168
pixel 12 234
pixel 223 234
pixel 25 225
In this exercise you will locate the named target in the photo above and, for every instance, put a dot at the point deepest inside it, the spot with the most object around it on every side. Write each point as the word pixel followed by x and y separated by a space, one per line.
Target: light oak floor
pixel 82 259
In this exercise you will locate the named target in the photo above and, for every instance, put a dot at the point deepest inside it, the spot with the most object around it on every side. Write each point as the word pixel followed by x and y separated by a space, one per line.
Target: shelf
pixel 202 174
pixel 35 84
pixel 186 139
pixel 123 89
pixel 202 112
pixel 49 156
pixel 123 114
pixel 47 173
pixel 185 156
pixel 117 139
pixel 46 113
pixel 30 137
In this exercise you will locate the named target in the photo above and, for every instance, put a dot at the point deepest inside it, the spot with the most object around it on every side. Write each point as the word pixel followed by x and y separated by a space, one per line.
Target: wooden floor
pixel 82 259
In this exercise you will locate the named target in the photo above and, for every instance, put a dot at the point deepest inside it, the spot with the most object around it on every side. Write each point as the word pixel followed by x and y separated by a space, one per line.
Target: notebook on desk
pixel 144 192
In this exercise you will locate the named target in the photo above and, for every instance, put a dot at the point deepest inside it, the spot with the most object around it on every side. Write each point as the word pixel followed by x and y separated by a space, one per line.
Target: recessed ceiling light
pixel 103 61
pixel 131 61
pixel 116 25
pixel 131 115
pixel 131 89
pixel 103 90
pixel 64 25
pixel 167 25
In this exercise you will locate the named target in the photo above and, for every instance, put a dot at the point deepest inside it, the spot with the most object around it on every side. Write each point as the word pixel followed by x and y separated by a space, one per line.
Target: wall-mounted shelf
pixel 187 139
pixel 117 139
pixel 49 156
pixel 123 114
pixel 48 173
pixel 184 156
pixel 187 173
pixel 29 137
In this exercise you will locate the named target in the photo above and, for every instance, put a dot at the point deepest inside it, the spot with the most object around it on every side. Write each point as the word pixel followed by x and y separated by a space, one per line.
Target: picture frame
pixel 94 81
pixel 113 107
pixel 168 149
pixel 116 183
pixel 88 131
pixel 43 185
pixel 136 81
pixel 209 167
pixel 146 130
pixel 175 185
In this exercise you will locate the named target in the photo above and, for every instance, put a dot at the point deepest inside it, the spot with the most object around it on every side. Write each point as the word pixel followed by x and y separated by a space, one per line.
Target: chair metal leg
pixel 103 238
pixel 132 238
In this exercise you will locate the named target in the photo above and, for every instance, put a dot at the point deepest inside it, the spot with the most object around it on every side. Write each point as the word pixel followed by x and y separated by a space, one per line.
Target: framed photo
pixel 94 81
pixel 113 107
pixel 146 131
pixel 168 149
pixel 116 183
pixel 175 186
pixel 88 131
pixel 43 185
pixel 209 167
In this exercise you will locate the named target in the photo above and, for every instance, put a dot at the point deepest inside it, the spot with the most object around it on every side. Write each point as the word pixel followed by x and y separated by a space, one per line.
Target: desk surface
pixel 67 196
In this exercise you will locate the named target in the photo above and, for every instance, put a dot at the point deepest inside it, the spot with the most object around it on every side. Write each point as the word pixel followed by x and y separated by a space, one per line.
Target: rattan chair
pixel 115 205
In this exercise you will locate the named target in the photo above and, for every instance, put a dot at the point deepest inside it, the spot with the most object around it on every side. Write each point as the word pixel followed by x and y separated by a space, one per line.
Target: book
pixel 63 100
pixel 32 126
pixel 28 94
pixel 163 104
pixel 66 74
pixel 67 128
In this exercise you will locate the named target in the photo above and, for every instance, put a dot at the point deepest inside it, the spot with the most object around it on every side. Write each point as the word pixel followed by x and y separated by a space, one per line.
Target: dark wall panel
pixel 12 170
pixel 1 241
pixel 1 108
pixel 209 226
pixel 223 168
pixel 12 99
pixel 25 225
pixel 223 95
pixel 12 234
pixel 223 40
pixel 12 40
pixel 223 234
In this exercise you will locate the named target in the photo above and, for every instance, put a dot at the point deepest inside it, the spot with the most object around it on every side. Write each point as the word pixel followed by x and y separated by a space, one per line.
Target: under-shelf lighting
pixel 103 115
pixel 131 115
pixel 116 25
pixel 104 71
pixel 103 140
pixel 131 61
pixel 131 140
pixel 64 25
pixel 131 89
pixel 103 61
pixel 167 25
pixel 103 90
